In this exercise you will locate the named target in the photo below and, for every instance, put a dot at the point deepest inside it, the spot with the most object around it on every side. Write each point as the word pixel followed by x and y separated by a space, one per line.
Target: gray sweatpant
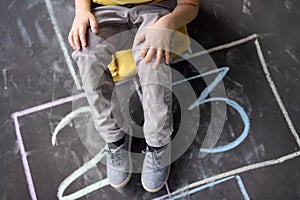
pixel 99 85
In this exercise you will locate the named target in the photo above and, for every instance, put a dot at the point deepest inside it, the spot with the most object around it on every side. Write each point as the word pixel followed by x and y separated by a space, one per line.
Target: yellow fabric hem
pixel 123 66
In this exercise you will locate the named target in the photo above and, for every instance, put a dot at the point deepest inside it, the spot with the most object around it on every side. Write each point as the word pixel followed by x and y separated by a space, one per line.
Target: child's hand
pixel 157 40
pixel 77 34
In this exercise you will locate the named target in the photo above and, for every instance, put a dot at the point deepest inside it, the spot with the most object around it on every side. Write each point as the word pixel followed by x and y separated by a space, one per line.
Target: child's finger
pixel 151 52
pixel 159 56
pixel 94 25
pixel 76 39
pixel 144 50
pixel 167 57
pixel 70 38
pixel 82 35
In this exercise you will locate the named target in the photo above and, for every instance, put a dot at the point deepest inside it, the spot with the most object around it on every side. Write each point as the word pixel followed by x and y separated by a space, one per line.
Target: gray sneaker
pixel 156 168
pixel 119 165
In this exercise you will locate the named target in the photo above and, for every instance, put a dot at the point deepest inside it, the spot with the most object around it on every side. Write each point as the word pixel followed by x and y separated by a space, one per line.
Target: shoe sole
pixel 160 187
pixel 124 183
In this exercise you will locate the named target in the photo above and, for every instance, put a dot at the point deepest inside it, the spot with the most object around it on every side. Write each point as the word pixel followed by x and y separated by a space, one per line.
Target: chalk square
pixel 246 84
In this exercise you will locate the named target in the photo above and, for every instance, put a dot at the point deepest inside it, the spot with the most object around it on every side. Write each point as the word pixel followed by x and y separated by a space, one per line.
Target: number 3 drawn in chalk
pixel 203 99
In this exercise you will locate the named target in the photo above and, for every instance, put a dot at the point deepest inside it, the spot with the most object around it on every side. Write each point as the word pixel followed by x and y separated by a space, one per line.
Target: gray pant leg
pixel 155 83
pixel 97 80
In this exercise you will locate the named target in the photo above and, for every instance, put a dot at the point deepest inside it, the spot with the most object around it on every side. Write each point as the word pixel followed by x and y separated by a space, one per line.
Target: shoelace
pixel 153 155
pixel 115 157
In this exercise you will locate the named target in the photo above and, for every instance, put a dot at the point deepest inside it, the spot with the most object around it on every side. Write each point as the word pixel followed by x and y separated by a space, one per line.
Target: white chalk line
pixel 62 43
pixel 275 92
pixel 239 171
pixel 218 48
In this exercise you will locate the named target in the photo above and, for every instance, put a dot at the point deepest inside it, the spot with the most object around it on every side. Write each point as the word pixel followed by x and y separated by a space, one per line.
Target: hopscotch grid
pixel 190 186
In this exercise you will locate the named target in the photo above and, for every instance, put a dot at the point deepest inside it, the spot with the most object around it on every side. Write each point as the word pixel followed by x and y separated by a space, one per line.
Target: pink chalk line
pixel 166 195
pixel 20 140
pixel 168 190
pixel 24 159
pixel 48 105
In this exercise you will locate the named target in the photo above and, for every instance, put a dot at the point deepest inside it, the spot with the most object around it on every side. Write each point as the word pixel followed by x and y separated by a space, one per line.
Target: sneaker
pixel 156 168
pixel 119 165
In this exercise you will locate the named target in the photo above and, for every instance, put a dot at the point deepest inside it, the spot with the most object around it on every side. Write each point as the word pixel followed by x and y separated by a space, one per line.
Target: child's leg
pixel 99 86
pixel 97 80
pixel 155 83
pixel 157 105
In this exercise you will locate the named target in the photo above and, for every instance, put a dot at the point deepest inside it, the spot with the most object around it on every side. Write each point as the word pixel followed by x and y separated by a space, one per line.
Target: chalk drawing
pixel 62 43
pixel 168 189
pixel 222 72
pixel 246 7
pixel 288 4
pixel 44 40
pixel 292 55
pixel 24 33
pixel 79 172
pixel 197 189
pixel 242 187
pixel 12 3
pixel 66 120
pixel 14 83
pixel 4 78
pixel 275 92
pixel 24 158
pixel 221 47
pixel 99 156
pixel 240 170
pixel 20 140
pixel 244 118
pixel 260 164
pixel 202 100
pixel 49 105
